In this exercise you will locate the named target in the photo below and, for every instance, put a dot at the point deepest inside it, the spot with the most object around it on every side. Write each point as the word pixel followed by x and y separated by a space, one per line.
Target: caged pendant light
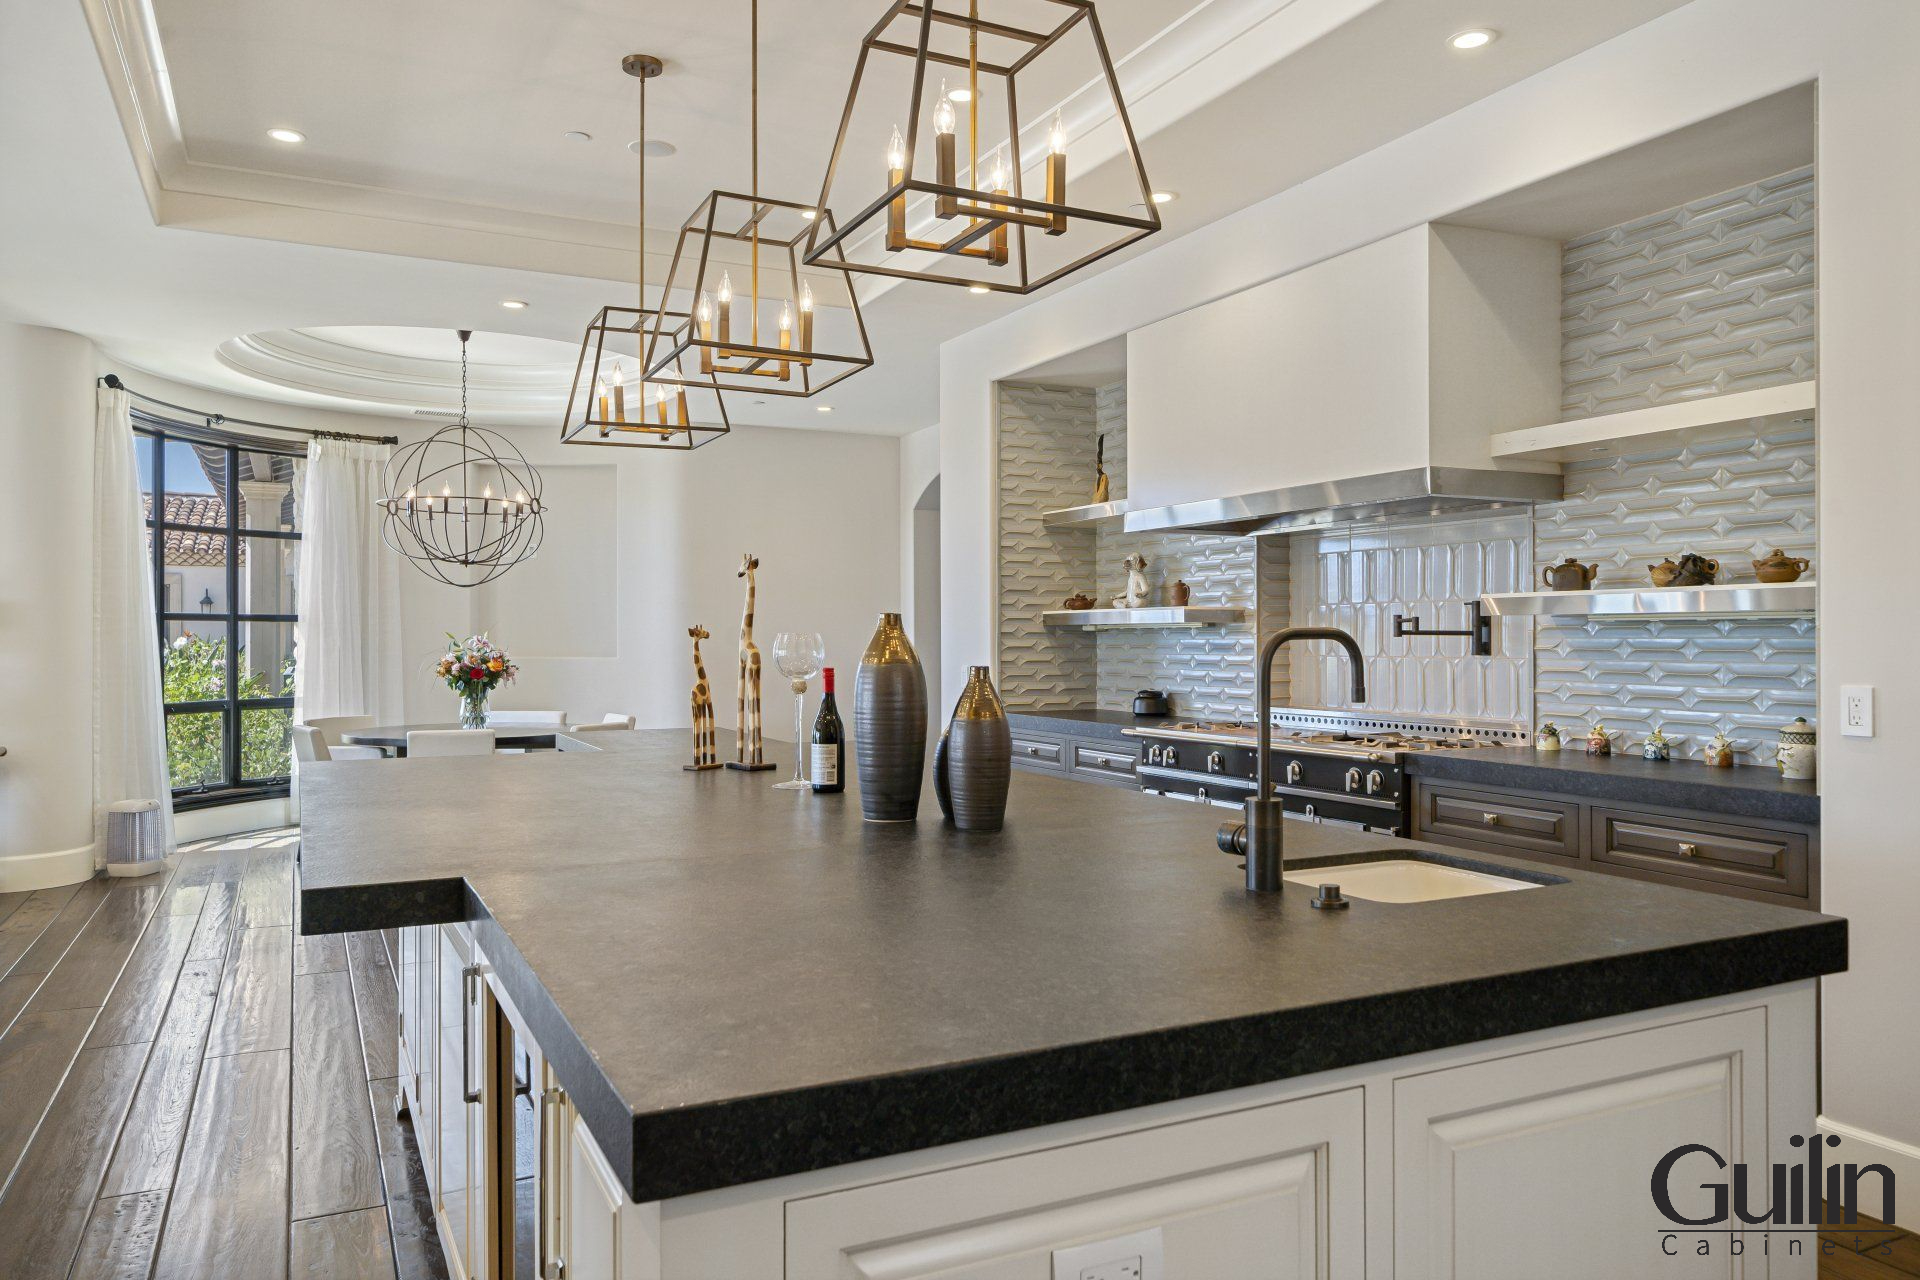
pixel 612 402
pixel 780 333
pixel 937 207
pixel 433 516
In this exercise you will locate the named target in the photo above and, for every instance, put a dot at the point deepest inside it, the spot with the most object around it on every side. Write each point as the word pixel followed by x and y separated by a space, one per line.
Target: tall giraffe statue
pixel 705 754
pixel 747 740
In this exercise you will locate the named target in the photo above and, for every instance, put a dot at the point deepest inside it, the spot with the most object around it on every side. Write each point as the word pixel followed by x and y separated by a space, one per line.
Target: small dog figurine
pixel 1136 596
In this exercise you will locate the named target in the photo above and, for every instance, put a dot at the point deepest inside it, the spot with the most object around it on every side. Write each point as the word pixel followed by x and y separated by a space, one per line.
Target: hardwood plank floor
pixel 377 993
pixel 1868 1250
pixel 199 1111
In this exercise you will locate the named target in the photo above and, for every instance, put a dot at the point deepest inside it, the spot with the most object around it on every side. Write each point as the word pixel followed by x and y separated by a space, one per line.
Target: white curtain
pixel 347 642
pixel 129 729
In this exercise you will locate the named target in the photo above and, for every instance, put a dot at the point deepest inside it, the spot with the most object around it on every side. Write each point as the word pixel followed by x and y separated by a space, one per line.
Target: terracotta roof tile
pixel 188 548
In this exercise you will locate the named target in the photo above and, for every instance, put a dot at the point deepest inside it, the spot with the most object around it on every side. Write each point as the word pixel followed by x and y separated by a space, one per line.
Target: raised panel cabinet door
pixel 1541 1163
pixel 1266 1193
pixel 462 1206
pixel 590 1238
pixel 426 1096
pixel 1496 821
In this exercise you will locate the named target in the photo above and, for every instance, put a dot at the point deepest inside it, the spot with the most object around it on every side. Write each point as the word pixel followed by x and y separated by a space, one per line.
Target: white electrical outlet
pixel 1856 711
pixel 1139 1255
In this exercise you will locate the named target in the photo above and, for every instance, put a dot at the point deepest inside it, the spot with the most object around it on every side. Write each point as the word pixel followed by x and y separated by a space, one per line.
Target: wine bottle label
pixel 826 764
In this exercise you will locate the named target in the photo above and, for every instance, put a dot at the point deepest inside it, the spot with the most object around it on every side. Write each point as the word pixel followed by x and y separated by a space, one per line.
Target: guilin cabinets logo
pixel 1781 1213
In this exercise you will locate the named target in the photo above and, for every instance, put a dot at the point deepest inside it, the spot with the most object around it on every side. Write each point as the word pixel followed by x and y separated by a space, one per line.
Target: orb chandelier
pixel 991 219
pixel 612 400
pixel 773 336
pixel 436 519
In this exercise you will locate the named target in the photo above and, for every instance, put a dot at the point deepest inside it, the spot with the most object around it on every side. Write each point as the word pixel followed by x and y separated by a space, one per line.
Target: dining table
pixel 393 737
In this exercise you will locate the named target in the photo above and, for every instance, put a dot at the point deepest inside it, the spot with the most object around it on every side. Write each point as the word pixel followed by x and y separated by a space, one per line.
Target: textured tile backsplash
pixel 1046 462
pixel 1711 297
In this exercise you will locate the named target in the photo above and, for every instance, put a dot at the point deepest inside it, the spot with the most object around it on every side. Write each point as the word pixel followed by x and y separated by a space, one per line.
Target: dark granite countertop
pixel 735 983
pixel 1742 792
pixel 1086 722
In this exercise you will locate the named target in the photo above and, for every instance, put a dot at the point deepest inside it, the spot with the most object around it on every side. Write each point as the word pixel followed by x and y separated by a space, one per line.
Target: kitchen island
pixel 782 1041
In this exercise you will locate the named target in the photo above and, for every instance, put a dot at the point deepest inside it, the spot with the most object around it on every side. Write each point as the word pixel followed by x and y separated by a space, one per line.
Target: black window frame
pixel 233 788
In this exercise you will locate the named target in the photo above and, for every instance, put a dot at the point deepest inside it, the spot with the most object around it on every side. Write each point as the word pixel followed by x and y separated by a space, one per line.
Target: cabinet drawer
pixel 1722 853
pixel 1039 753
pixel 1498 821
pixel 1103 761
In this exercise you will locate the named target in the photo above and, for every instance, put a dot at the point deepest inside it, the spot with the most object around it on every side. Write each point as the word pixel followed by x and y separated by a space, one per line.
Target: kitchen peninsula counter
pixel 736 983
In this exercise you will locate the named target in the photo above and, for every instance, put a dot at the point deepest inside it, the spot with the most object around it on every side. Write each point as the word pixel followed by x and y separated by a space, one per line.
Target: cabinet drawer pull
pixel 1491 819
pixel 552 1265
pixel 468 977
pixel 1689 849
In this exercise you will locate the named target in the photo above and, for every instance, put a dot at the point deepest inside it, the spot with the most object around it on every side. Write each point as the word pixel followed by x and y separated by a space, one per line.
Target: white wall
pixel 46 607
pixel 1697 62
pixel 919 588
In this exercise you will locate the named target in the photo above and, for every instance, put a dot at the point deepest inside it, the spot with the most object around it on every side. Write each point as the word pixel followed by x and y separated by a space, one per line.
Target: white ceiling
pixel 147 210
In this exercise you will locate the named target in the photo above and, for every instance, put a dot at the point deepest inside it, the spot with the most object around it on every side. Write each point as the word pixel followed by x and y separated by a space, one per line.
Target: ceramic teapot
pixel 1718 752
pixel 1696 571
pixel 1599 741
pixel 1548 739
pixel 1569 575
pixel 1663 574
pixel 1780 567
pixel 1657 747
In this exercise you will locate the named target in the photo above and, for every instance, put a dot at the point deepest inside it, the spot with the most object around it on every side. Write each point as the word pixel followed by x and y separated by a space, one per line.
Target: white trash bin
pixel 136 838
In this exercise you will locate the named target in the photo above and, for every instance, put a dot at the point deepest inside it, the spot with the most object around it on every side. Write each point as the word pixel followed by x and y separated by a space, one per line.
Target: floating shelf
pixel 1092 516
pixel 1732 600
pixel 1189 615
pixel 1640 428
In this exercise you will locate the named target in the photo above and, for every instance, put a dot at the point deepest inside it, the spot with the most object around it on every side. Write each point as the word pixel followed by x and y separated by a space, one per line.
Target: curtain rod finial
pixel 112 381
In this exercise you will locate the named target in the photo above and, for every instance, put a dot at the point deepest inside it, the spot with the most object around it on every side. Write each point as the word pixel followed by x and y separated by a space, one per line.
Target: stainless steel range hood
pixel 1390 495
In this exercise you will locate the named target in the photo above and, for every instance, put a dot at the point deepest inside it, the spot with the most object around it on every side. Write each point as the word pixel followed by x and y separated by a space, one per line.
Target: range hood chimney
pixel 1389 495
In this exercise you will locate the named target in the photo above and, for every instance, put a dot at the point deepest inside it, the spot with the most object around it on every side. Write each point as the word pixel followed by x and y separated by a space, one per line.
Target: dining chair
pixel 528 719
pixel 449 742
pixel 335 728
pixel 610 721
pixel 310 744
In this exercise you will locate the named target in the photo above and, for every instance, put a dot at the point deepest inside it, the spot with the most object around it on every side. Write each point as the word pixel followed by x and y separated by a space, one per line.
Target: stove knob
pixel 1168 758
pixel 1153 753
pixel 1353 779
pixel 1216 762
pixel 1375 781
pixel 1293 772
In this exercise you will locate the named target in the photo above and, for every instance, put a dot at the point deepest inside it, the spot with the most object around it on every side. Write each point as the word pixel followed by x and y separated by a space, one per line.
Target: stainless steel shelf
pixel 1167 616
pixel 1092 516
pixel 1731 600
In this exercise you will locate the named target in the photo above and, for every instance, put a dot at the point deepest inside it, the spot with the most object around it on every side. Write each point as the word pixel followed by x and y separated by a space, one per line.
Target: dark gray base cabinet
pixel 1101 760
pixel 1741 857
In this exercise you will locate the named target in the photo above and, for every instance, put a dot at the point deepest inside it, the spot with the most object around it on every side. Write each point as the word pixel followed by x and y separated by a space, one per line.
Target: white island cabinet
pixel 1526 1156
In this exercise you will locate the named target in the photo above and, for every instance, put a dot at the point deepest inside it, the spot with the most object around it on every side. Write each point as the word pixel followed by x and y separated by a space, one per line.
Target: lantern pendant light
pixel 657 415
pixel 981 228
pixel 433 517
pixel 781 332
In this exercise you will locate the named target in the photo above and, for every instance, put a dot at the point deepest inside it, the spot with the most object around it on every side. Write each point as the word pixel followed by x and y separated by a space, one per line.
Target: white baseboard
pixel 1860 1146
pixel 232 819
pixel 46 870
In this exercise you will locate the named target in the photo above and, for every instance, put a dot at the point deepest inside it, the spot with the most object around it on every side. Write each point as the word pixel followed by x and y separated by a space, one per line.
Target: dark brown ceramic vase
pixel 979 755
pixel 890 725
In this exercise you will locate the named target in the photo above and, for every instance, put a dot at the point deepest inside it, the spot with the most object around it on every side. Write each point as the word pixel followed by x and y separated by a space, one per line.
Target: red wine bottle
pixel 829 742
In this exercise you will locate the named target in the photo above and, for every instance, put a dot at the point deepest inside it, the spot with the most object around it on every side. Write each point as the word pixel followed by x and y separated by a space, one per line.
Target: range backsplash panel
pixel 1046 462
pixel 1713 296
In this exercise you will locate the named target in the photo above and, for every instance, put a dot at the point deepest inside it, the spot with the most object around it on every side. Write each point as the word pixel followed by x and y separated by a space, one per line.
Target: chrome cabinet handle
pixel 552 1265
pixel 1491 819
pixel 1689 850
pixel 468 977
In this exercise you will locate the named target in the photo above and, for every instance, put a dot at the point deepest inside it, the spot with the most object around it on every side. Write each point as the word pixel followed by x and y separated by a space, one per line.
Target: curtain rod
pixel 221 419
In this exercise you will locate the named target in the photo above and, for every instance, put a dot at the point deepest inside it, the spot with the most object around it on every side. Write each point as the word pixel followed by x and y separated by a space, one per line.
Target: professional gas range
pixel 1345 767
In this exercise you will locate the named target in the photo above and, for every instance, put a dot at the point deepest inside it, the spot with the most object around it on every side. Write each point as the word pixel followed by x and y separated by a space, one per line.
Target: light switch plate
pixel 1856 711
pixel 1140 1255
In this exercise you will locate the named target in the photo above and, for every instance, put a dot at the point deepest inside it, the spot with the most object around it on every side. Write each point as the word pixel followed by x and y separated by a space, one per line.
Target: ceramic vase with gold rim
pixel 890 725
pixel 979 755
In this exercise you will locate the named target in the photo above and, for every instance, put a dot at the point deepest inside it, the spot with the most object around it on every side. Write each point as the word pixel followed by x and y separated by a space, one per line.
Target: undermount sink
pixel 1406 880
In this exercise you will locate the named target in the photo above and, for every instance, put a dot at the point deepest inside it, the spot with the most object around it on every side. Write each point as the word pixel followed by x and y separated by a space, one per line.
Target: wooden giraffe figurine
pixel 747 740
pixel 705 755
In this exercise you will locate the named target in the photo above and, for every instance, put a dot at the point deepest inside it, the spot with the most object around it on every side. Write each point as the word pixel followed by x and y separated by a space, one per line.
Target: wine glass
pixel 798 655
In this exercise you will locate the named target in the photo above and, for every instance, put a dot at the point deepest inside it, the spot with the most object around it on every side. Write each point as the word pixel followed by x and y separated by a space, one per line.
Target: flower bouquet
pixel 473 668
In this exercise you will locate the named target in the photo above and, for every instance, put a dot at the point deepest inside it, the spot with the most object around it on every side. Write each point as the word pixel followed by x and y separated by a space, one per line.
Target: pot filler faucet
pixel 1260 838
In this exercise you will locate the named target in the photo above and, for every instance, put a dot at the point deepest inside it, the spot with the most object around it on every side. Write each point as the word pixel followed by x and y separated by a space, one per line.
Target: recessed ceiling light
pixel 962 94
pixel 978 288
pixel 577 135
pixel 1474 38
pixel 656 149
pixel 1165 197
pixel 823 408
pixel 513 304
pixel 286 135
pixel 809 214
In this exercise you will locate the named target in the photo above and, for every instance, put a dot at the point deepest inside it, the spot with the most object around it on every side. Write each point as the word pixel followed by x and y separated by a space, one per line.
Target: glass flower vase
pixel 473 708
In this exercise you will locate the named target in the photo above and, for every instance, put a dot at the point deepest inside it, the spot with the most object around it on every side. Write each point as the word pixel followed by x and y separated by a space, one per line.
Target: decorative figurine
pixel 1663 574
pixel 1548 739
pixel 1569 575
pixel 1780 567
pixel 1718 752
pixel 1599 742
pixel 1796 755
pixel 1080 600
pixel 747 740
pixel 705 756
pixel 1180 593
pixel 1658 746
pixel 1696 571
pixel 1136 596
pixel 1101 486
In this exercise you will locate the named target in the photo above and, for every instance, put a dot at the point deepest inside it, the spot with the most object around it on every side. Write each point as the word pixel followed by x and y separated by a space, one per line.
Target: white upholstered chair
pixel 527 719
pixel 310 744
pixel 609 721
pixel 450 742
pixel 335 728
